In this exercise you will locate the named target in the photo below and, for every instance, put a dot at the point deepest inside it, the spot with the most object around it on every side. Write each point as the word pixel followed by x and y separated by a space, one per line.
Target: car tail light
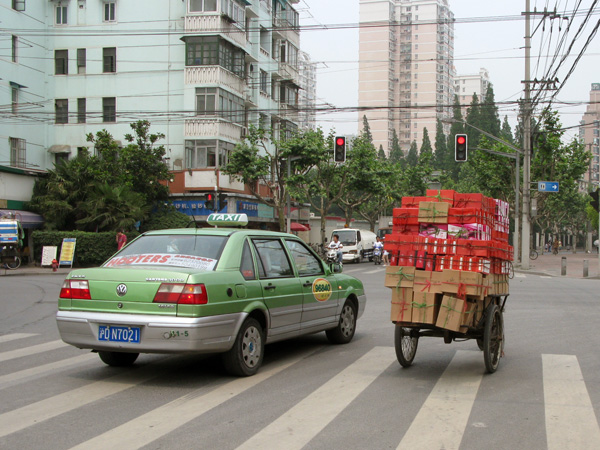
pixel 182 294
pixel 76 290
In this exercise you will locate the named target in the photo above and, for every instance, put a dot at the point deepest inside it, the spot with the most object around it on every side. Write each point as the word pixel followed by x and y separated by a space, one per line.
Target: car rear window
pixel 171 250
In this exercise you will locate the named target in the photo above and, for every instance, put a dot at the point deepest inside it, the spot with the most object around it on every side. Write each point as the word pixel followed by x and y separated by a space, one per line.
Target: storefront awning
pixel 295 226
pixel 28 219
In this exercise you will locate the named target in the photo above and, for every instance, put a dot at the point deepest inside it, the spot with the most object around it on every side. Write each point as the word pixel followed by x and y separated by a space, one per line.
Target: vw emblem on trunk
pixel 121 290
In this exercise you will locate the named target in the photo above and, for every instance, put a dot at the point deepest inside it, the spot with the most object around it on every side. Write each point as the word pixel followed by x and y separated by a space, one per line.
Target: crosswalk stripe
pixel 369 272
pixel 570 419
pixel 295 428
pixel 441 421
pixel 32 350
pixel 22 376
pixel 26 416
pixel 15 336
pixel 146 428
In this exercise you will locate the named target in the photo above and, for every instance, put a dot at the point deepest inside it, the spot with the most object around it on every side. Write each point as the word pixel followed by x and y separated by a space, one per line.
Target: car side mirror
pixel 336 267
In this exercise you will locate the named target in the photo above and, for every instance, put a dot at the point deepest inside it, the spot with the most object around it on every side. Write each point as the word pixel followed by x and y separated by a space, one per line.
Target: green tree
pixel 506 132
pixel 381 153
pixel 474 118
pixel 441 148
pixel 488 112
pixel 396 154
pixel 412 158
pixel 367 130
pixel 426 144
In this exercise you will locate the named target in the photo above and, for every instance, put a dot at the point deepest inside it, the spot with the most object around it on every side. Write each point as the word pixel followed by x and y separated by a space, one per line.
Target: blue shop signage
pixel 194 207
pixel 248 208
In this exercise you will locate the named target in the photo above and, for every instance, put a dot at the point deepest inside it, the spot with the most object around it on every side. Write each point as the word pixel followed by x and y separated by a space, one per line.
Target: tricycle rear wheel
pixel 493 338
pixel 406 341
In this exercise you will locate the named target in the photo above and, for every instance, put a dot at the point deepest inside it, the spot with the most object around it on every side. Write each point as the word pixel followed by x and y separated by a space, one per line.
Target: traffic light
pixel 209 202
pixel 594 201
pixel 339 149
pixel 222 201
pixel 460 147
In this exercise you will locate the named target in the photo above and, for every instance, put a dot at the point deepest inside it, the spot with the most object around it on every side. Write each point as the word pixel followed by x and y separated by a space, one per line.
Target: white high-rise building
pixel 406 50
pixel 201 71
pixel 467 85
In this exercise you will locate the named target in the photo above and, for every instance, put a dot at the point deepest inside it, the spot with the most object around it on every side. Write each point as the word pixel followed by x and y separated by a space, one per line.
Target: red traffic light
pixel 209 197
pixel 461 140
pixel 340 141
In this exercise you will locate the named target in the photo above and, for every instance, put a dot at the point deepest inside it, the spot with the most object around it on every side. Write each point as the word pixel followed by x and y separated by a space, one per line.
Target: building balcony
pixel 213 127
pixel 287 71
pixel 214 24
pixel 201 75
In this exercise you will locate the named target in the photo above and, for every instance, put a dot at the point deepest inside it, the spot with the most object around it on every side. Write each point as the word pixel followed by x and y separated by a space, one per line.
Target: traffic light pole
pixel 526 225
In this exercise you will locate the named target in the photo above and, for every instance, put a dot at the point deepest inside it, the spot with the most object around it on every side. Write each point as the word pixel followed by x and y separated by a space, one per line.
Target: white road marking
pixel 22 376
pixel 32 350
pixel 520 275
pixel 15 336
pixel 441 421
pixel 295 428
pixel 26 416
pixel 153 425
pixel 570 419
pixel 545 276
pixel 372 271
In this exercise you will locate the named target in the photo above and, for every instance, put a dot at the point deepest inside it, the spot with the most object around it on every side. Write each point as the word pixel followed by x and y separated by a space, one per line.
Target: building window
pixel 81 60
pixel 213 51
pixel 60 158
pixel 14 99
pixel 17 152
pixel 14 48
pixel 61 111
pixel 203 5
pixel 81 109
pixel 109 109
pixel 61 15
pixel 109 11
pixel 109 59
pixel 202 154
pixel 206 100
pixel 61 62
pixel 264 82
pixel 229 106
pixel 18 5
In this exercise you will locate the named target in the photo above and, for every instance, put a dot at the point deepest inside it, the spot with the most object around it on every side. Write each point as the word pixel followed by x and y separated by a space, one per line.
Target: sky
pixel 496 45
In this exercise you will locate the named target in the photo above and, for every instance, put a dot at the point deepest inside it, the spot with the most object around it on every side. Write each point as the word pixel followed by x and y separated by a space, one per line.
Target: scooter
pixel 377 255
pixel 331 256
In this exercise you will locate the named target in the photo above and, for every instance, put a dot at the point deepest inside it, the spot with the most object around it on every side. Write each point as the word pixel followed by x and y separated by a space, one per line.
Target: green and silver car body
pixel 190 291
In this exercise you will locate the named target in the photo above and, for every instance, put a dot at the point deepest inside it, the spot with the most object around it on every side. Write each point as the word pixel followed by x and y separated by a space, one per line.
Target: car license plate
pixel 119 334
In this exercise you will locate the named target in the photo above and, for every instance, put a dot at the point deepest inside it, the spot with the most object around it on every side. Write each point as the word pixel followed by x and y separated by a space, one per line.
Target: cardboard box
pixel 430 212
pixel 425 307
pixel 428 281
pixel 413 202
pixel 464 283
pixel 399 276
pixel 498 284
pixel 443 195
pixel 455 314
pixel 402 305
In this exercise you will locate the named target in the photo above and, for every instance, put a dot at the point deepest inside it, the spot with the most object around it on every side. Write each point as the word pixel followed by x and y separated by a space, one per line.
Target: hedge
pixel 91 249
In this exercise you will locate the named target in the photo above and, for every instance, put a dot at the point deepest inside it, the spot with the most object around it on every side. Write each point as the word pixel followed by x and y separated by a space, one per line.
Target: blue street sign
pixel 547 186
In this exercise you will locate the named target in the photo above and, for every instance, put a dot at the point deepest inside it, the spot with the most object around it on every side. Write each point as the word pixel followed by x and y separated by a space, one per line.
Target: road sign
pixel 547 186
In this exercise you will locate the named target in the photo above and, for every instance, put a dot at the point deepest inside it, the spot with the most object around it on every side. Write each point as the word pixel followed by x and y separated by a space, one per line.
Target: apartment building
pixel 201 71
pixel 589 135
pixel 307 96
pixel 467 85
pixel 406 73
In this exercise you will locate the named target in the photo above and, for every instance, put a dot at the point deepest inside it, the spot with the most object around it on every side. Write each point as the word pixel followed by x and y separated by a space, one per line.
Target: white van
pixel 357 244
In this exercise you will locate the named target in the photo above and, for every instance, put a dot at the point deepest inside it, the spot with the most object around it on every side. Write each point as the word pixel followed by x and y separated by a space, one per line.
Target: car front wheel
pixel 118 359
pixel 344 331
pixel 246 355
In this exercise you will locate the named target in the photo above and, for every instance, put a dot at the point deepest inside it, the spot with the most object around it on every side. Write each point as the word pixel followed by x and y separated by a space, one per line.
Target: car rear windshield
pixel 171 250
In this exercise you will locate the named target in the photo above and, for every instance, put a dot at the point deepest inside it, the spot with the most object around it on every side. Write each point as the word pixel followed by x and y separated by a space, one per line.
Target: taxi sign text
pixel 228 220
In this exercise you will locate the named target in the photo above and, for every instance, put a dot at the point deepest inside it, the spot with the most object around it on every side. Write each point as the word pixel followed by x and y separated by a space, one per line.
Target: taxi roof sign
pixel 228 220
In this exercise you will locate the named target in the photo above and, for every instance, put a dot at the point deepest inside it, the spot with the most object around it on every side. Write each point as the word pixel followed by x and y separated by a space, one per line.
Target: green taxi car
pixel 208 290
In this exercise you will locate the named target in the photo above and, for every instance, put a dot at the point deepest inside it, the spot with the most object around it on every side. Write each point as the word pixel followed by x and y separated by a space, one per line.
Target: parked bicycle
pixel 11 263
pixel 533 254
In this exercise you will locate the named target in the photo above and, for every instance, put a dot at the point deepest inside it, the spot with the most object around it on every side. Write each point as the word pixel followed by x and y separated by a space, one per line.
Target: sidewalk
pixel 549 264
pixel 34 270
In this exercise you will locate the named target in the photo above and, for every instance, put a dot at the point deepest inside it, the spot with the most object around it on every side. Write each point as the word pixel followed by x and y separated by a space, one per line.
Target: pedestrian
pixel 555 247
pixel 597 244
pixel 386 258
pixel 121 239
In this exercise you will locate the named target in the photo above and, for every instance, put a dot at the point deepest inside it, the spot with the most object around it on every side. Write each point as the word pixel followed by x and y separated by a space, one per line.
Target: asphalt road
pixel 310 394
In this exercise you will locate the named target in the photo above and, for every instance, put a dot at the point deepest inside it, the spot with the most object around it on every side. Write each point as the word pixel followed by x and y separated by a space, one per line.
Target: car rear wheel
pixel 118 359
pixel 246 355
pixel 344 331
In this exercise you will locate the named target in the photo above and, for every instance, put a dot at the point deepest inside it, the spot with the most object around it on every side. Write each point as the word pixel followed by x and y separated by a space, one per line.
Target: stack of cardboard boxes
pixel 448 251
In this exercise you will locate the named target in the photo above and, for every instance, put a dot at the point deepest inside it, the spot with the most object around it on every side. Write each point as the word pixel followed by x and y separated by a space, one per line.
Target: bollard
pixel 563 266
pixel 585 268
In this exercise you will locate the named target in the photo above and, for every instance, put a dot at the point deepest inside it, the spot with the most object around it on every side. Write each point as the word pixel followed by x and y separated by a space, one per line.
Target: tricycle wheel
pixel 493 337
pixel 480 343
pixel 406 341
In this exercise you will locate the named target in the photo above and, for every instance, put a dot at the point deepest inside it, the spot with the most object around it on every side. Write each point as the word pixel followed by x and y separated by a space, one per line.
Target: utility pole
pixel 525 222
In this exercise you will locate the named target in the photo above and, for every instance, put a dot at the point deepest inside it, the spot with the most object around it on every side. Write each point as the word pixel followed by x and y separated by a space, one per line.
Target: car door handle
pixel 270 286
pixel 307 284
